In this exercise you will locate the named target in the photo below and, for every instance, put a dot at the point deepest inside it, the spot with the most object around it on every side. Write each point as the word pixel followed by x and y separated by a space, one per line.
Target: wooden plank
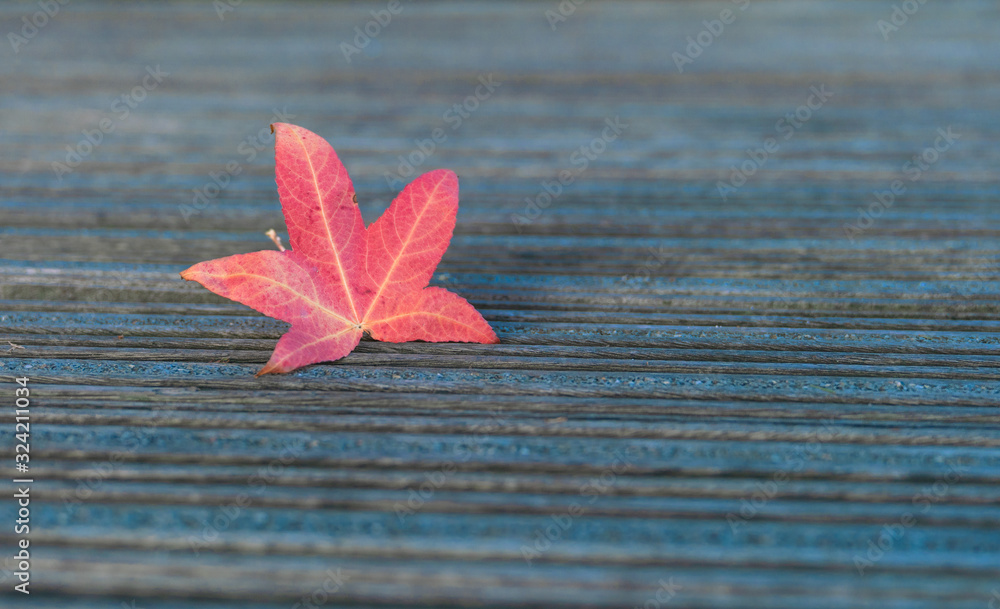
pixel 742 401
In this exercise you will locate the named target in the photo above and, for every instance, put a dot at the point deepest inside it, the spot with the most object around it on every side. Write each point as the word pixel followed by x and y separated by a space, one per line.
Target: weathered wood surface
pixel 739 398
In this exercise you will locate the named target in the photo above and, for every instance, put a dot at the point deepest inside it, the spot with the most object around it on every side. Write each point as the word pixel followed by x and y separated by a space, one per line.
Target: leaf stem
pixel 277 240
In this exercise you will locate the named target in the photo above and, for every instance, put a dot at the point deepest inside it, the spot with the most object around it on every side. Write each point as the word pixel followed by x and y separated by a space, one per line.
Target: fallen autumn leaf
pixel 341 280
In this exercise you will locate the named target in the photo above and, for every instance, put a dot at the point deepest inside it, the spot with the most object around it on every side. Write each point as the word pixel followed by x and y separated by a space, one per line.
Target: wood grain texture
pixel 722 394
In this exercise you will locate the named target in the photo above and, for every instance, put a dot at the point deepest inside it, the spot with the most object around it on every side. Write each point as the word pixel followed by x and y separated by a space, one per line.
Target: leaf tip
pixel 268 368
pixel 284 128
pixel 275 365
pixel 443 176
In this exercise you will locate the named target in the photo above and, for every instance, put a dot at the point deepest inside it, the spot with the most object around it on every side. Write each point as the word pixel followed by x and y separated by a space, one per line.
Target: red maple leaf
pixel 341 280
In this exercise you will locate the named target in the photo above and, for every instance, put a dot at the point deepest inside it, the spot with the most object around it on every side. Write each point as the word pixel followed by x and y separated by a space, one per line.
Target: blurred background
pixel 228 71
pixel 741 254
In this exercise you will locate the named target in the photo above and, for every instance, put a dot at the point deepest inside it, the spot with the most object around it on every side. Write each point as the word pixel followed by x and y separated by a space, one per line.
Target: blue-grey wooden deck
pixel 740 401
